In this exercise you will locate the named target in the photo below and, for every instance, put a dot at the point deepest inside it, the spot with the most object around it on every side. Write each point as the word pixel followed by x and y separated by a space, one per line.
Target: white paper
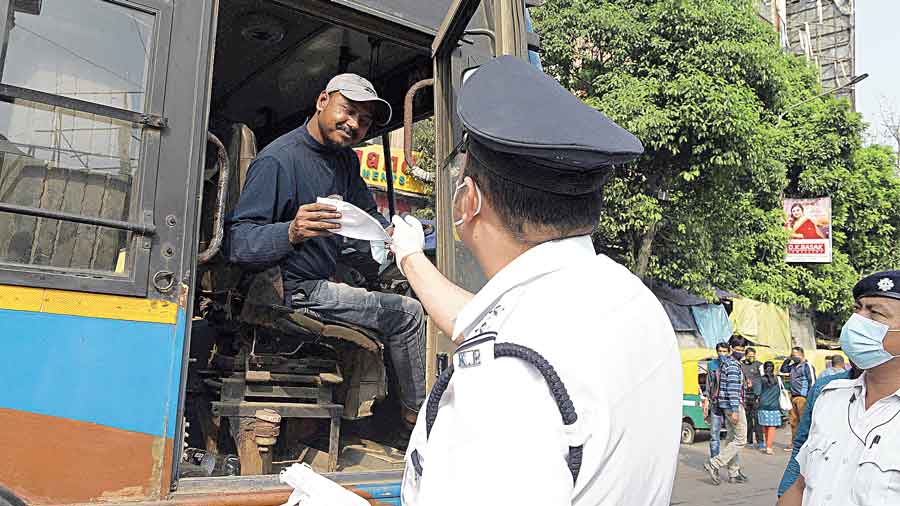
pixel 355 223
pixel 311 489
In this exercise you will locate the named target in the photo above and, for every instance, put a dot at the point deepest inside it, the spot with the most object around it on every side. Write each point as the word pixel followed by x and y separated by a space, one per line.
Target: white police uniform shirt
pixel 852 456
pixel 499 437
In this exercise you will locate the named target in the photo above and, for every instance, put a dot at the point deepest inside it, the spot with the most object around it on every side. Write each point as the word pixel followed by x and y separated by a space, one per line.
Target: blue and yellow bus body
pixel 91 394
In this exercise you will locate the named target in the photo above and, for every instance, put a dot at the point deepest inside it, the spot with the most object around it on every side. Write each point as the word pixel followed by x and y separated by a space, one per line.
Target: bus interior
pixel 268 386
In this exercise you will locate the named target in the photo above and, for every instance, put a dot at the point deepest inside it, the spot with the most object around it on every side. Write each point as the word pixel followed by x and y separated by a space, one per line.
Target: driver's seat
pixel 254 307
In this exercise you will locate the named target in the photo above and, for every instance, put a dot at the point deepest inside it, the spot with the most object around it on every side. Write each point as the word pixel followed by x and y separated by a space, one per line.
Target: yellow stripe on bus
pixel 94 305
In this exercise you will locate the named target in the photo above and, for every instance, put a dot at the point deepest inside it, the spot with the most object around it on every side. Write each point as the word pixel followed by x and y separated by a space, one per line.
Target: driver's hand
pixel 408 238
pixel 310 222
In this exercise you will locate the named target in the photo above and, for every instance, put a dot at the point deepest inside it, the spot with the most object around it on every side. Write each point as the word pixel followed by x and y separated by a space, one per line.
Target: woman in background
pixel 769 413
pixel 801 226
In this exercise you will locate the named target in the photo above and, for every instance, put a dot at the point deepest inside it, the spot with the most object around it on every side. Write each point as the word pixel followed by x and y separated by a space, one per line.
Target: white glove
pixel 313 489
pixel 408 238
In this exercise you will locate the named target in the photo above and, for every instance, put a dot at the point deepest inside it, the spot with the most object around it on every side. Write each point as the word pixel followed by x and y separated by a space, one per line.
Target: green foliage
pixel 702 84
pixel 423 143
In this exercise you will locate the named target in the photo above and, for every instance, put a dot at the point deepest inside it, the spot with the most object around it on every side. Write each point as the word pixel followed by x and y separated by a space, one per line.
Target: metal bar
pixel 389 173
pixel 222 486
pixel 453 26
pixel 9 92
pixel 284 378
pixel 215 244
pixel 408 125
pixel 509 28
pixel 140 228
pixel 487 33
pixel 260 390
pixel 285 409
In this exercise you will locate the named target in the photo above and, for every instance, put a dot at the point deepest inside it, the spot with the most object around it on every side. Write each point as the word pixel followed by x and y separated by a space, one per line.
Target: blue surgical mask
pixel 379 252
pixel 862 340
pixel 738 355
pixel 722 356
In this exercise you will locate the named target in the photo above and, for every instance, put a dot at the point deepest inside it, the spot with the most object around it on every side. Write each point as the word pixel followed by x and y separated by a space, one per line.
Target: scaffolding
pixel 824 31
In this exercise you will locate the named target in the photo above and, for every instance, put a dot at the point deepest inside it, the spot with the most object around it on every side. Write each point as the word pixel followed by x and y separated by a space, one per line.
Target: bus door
pixel 102 132
pixel 460 46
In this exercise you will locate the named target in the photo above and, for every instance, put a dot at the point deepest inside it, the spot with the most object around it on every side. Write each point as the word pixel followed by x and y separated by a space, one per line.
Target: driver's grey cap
pixel 359 89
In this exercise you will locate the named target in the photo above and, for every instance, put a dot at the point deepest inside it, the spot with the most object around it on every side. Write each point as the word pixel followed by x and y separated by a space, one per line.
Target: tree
pixel 702 83
pixel 423 143
pixel 890 123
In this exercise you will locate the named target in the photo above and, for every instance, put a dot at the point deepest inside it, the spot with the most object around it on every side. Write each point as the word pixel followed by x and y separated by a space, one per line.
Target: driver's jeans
pixel 398 321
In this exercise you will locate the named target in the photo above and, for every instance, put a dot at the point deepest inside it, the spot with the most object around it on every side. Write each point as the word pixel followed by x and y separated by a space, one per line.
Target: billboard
pixel 371 168
pixel 809 223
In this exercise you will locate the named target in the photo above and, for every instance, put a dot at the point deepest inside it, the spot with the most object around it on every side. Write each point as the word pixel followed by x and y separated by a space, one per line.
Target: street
pixel 694 488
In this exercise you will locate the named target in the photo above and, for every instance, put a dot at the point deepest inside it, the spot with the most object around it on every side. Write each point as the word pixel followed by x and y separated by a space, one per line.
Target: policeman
pixel 529 411
pixel 852 455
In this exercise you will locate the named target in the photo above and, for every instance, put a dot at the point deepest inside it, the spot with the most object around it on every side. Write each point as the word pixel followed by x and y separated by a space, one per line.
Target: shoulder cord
pixel 554 383
pixel 853 399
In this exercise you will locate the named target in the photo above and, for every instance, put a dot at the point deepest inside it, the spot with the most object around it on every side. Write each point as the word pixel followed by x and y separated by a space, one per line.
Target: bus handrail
pixel 146 229
pixel 215 244
pixel 414 170
pixel 9 92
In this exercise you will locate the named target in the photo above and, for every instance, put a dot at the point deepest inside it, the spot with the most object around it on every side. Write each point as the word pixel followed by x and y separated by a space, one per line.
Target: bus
pixel 138 365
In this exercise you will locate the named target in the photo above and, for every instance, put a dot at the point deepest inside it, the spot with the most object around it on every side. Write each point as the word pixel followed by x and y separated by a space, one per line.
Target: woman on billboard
pixel 801 226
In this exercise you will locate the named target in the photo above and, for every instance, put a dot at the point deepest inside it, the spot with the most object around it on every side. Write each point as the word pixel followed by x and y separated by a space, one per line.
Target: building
pixel 824 31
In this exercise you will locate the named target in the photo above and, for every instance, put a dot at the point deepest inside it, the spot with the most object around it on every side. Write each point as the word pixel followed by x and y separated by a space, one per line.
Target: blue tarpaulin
pixel 713 322
pixel 680 317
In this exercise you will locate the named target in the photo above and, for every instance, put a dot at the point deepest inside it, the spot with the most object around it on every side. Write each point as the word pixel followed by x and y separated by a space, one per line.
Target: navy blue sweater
pixel 291 171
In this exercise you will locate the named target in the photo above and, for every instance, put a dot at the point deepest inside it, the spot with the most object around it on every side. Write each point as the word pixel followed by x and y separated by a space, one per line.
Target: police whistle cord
pixel 554 383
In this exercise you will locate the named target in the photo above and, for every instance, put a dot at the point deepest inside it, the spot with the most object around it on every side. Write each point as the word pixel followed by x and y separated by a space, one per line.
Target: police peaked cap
pixel 526 128
pixel 880 284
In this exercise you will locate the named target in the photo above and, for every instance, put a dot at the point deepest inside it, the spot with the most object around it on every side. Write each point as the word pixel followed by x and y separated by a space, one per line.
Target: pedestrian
pixel 837 366
pixel 827 364
pixel 526 414
pixel 711 411
pixel 731 402
pixel 753 370
pixel 802 376
pixel 853 454
pixel 769 412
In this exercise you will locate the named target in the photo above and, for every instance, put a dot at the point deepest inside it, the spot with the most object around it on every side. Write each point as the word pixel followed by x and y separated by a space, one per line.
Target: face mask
pixel 722 356
pixel 355 223
pixel 738 355
pixel 477 208
pixel 862 340
pixel 379 252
